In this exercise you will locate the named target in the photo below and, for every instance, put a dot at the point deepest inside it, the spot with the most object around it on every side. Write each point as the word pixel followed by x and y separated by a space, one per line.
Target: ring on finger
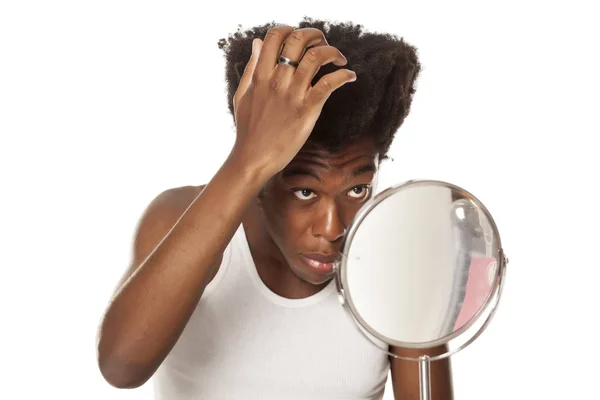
pixel 284 60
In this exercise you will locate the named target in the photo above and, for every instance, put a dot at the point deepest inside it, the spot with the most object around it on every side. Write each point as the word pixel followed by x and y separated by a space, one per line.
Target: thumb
pixel 249 69
pixel 256 47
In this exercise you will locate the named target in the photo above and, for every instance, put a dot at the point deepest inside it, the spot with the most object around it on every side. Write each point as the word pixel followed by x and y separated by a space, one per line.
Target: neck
pixel 271 265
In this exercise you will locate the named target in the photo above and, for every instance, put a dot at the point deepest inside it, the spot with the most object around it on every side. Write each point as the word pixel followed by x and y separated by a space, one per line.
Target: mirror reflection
pixel 421 264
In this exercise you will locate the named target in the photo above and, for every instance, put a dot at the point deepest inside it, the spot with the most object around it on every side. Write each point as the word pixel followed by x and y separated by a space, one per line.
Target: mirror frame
pixel 483 316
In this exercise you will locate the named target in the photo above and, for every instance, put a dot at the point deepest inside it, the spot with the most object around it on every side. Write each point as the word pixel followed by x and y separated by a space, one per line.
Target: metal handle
pixel 424 378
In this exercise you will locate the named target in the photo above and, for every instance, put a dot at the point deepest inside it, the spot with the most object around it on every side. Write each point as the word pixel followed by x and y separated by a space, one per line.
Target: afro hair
pixel 376 104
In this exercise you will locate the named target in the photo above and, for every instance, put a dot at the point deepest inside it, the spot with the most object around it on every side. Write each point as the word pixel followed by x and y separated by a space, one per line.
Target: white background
pixel 105 104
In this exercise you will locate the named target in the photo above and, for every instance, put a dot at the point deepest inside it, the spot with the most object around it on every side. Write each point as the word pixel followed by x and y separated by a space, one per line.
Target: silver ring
pixel 285 60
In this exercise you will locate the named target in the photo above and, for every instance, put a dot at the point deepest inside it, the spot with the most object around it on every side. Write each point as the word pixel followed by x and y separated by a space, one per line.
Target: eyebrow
pixel 364 169
pixel 304 171
pixel 300 171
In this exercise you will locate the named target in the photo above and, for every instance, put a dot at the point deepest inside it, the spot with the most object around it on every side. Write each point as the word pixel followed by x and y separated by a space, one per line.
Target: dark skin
pixel 286 222
pixel 183 232
pixel 306 209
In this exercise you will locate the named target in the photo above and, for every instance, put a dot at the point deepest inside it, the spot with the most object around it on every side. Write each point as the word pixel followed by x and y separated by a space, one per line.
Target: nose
pixel 329 224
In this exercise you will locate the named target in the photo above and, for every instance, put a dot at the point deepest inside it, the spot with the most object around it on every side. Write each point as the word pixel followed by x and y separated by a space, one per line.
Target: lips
pixel 322 258
pixel 321 263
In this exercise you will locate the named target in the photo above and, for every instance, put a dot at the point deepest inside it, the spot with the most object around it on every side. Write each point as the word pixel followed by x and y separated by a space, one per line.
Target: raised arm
pixel 177 249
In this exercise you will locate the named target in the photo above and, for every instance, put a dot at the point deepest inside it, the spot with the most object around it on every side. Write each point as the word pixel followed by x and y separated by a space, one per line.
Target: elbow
pixel 121 376
pixel 120 373
pixel 119 367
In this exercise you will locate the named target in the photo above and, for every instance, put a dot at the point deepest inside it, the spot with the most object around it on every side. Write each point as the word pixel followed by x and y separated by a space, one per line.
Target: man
pixel 229 293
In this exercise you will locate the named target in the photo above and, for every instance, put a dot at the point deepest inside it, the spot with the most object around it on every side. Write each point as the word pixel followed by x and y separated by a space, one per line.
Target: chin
pixel 307 275
pixel 319 280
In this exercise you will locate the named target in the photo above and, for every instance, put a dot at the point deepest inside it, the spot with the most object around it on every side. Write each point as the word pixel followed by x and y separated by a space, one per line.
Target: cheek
pixel 276 217
pixel 351 211
pixel 284 221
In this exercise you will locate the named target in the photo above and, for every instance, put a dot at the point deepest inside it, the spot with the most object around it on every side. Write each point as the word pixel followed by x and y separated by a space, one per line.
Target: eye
pixel 359 192
pixel 304 194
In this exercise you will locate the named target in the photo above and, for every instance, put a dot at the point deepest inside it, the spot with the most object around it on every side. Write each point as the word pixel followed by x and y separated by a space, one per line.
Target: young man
pixel 230 292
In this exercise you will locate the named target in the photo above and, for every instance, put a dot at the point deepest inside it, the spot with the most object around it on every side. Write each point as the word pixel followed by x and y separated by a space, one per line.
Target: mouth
pixel 320 263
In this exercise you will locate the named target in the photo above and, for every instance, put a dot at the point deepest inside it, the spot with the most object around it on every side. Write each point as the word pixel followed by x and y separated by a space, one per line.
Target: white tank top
pixel 243 341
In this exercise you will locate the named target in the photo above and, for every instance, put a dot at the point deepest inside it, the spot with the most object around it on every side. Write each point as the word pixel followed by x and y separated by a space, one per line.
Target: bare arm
pixel 177 251
pixel 405 375
pixel 275 110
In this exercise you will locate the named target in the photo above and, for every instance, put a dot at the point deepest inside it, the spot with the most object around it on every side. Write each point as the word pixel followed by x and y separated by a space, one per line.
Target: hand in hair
pixel 275 105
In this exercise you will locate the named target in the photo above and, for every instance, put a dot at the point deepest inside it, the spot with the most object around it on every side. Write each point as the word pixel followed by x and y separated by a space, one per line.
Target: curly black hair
pixel 376 104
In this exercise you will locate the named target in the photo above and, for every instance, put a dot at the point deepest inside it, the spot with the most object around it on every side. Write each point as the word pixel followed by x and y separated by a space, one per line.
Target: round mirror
pixel 422 266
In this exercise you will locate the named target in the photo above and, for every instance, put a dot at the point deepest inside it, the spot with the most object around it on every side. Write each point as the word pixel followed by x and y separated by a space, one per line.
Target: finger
pixel 246 78
pixel 319 93
pixel 312 61
pixel 296 43
pixel 271 48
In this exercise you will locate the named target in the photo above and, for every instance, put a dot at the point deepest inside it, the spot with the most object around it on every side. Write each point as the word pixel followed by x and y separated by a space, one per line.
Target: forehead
pixel 359 151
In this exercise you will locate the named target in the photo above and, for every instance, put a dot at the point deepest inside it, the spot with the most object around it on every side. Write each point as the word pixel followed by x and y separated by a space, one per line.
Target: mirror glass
pixel 420 263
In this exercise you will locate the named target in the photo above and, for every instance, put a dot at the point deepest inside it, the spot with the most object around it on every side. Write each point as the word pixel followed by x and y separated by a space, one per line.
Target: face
pixel 309 206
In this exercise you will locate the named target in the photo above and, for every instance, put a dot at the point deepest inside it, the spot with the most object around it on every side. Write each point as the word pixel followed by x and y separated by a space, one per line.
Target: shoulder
pixel 160 215
pixel 158 218
pixel 171 203
pixel 175 199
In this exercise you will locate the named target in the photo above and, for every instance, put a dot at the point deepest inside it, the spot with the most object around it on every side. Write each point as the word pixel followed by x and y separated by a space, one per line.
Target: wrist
pixel 252 172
